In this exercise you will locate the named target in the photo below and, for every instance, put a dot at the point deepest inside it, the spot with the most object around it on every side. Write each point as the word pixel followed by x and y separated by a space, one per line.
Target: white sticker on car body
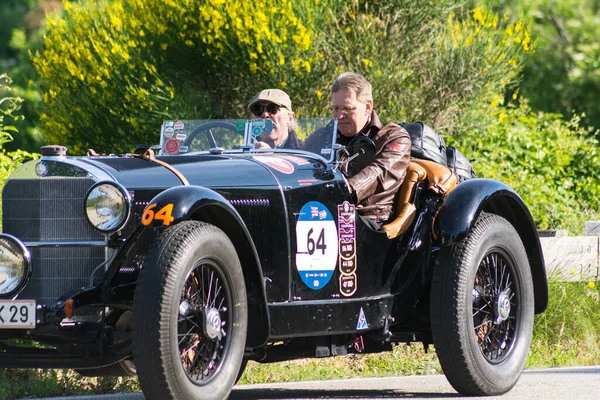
pixel 317 245
pixel 281 165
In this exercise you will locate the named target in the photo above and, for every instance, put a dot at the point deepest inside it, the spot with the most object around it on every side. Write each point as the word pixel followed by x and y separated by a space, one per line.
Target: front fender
pixel 182 203
pixel 468 200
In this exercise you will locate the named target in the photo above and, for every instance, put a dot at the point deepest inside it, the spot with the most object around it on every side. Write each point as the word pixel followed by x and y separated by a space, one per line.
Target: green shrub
pixel 9 105
pixel 562 75
pixel 9 108
pixel 550 162
pixel 21 31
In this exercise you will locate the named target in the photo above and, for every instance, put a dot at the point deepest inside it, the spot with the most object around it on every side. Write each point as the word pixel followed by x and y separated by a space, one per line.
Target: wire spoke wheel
pixel 204 323
pixel 482 308
pixel 495 305
pixel 190 315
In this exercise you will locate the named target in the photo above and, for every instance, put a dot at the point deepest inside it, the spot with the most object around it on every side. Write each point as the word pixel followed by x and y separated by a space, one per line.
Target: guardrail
pixel 572 258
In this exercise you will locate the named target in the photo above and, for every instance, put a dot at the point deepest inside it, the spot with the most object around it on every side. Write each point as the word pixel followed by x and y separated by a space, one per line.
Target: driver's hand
pixel 261 145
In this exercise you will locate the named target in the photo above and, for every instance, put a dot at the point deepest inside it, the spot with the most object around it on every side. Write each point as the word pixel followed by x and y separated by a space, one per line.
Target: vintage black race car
pixel 182 266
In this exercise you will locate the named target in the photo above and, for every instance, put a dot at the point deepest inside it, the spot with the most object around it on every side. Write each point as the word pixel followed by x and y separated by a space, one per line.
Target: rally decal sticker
pixel 297 160
pixel 171 146
pixel 278 164
pixel 362 321
pixel 169 132
pixel 347 248
pixel 317 245
pixel 306 182
pixel 348 284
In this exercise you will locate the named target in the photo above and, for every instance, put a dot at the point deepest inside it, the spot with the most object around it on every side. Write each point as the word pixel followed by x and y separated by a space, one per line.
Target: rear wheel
pixel 482 309
pixel 190 315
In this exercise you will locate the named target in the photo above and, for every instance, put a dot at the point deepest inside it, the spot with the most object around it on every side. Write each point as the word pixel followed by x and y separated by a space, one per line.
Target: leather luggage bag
pixel 426 143
pixel 459 164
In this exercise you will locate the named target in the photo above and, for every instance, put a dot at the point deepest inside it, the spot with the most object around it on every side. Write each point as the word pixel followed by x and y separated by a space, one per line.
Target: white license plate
pixel 17 314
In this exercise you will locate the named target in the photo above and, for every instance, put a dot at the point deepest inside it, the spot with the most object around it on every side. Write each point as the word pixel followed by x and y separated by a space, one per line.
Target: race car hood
pixel 213 171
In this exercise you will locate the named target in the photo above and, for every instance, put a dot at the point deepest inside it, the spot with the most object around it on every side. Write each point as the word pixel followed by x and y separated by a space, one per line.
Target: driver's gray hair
pixel 356 83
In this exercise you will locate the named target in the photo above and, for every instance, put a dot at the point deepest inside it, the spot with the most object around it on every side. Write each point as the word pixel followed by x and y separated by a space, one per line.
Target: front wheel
pixel 190 315
pixel 482 309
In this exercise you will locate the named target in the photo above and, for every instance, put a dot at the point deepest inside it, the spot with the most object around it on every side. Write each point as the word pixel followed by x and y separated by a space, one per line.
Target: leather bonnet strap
pixel 149 155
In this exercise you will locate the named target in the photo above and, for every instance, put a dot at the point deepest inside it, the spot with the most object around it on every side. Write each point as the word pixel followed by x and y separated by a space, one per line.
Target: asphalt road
pixel 579 383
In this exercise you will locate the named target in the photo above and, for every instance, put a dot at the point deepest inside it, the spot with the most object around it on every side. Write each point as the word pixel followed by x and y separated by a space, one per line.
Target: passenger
pixel 374 186
pixel 275 104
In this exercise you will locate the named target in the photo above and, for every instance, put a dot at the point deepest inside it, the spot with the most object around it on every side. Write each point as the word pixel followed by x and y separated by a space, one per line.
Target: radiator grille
pixel 52 209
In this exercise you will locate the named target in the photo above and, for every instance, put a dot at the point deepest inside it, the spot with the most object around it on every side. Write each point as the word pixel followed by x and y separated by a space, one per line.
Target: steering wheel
pixel 206 128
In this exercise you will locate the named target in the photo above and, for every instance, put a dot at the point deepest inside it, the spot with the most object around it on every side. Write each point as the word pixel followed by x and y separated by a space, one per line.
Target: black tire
pixel 482 309
pixel 190 315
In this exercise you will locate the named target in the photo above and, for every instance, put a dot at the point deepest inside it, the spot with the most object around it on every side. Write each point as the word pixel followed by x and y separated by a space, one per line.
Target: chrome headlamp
pixel 15 265
pixel 107 206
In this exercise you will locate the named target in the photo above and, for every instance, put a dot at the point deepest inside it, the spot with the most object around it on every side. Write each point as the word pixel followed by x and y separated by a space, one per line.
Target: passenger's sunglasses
pixel 259 109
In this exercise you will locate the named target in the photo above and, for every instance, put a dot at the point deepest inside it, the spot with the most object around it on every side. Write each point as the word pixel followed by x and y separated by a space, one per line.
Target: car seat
pixel 440 179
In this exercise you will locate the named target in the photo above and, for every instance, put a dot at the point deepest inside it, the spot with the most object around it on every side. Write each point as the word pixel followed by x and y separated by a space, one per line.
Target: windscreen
pixel 315 135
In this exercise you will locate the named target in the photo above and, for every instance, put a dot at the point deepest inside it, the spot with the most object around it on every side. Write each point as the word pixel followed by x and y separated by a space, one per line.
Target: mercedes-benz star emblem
pixel 41 169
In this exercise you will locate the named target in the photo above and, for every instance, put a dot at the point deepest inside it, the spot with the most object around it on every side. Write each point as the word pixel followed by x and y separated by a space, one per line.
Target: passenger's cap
pixel 275 96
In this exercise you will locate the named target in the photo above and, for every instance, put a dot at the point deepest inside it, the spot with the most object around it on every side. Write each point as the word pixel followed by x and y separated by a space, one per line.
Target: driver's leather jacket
pixel 374 186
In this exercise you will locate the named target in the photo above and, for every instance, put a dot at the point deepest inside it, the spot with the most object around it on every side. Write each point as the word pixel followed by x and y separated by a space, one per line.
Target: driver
pixel 372 187
pixel 275 104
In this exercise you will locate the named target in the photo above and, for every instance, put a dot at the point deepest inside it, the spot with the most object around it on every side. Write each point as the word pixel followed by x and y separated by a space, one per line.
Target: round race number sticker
pixel 317 245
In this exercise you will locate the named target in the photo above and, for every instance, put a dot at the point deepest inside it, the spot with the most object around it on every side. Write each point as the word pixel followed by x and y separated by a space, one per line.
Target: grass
pixel 403 360
pixel 567 334
pixel 27 383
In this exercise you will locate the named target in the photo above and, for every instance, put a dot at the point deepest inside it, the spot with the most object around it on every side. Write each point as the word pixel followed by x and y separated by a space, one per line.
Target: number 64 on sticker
pixel 165 214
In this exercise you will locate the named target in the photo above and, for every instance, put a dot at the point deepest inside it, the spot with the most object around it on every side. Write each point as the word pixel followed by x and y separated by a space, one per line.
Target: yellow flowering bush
pixel 100 84
pixel 113 70
pixel 429 61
